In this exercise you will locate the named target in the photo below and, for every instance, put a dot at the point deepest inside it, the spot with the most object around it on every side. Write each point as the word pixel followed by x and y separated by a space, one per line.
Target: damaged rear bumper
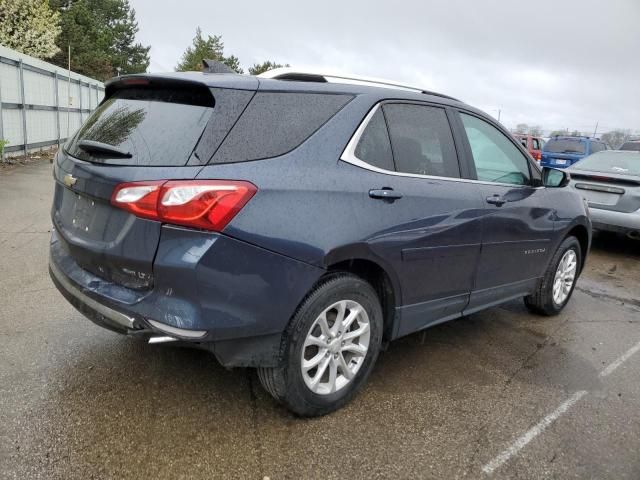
pixel 210 291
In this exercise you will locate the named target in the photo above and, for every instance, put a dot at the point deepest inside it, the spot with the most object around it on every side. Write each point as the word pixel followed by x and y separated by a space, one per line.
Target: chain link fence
pixel 41 105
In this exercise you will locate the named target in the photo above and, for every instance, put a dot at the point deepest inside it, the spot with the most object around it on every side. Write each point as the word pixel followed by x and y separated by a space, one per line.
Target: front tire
pixel 555 288
pixel 329 347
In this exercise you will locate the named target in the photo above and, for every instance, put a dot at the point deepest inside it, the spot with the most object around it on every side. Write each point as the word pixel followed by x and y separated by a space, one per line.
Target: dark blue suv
pixel 298 223
pixel 564 151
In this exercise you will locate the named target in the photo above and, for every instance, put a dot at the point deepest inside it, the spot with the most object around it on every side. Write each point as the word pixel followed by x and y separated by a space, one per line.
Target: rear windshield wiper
pixel 91 146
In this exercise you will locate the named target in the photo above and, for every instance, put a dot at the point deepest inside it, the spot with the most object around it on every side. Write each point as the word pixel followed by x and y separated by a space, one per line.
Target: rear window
pixel 150 126
pixel 611 162
pixel 632 146
pixel 275 123
pixel 565 145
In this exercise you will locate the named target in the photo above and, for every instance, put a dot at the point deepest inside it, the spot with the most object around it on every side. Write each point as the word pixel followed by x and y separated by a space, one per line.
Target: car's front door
pixel 518 223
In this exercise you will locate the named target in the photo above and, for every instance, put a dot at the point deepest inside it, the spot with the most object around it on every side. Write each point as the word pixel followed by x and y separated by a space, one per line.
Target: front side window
pixel 421 140
pixel 374 146
pixel 496 159
pixel 536 144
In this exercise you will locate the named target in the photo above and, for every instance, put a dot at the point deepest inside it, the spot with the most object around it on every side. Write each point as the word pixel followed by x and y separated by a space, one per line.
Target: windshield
pixel 623 163
pixel 154 127
pixel 565 145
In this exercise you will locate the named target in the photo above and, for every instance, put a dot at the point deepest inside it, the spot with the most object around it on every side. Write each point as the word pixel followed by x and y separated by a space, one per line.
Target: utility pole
pixel 499 112
pixel 69 95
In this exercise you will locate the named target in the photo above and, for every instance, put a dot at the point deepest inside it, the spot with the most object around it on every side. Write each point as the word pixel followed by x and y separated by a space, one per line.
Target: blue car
pixel 564 151
pixel 298 222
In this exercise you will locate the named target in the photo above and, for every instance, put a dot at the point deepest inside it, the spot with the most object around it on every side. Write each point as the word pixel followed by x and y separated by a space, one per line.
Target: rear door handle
pixel 497 200
pixel 385 194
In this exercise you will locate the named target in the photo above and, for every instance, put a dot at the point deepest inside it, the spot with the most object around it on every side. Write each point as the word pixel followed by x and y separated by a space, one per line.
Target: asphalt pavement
pixel 499 394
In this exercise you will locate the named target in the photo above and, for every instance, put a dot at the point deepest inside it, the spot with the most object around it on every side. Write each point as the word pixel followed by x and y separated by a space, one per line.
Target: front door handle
pixel 385 194
pixel 497 200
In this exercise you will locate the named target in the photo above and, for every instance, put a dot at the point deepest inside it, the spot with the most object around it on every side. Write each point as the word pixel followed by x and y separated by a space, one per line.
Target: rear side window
pixel 275 123
pixel 536 144
pixel 374 146
pixel 149 126
pixel 421 140
pixel 632 146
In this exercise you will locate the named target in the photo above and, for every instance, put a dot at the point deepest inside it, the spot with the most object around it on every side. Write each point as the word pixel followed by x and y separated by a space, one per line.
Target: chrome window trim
pixel 349 156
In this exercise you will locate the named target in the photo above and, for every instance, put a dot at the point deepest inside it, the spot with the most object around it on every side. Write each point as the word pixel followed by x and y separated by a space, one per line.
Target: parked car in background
pixel 564 151
pixel 632 145
pixel 532 144
pixel 610 182
pixel 298 223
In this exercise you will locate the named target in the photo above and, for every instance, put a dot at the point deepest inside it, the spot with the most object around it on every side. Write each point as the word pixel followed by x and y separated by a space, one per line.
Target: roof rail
pixel 289 73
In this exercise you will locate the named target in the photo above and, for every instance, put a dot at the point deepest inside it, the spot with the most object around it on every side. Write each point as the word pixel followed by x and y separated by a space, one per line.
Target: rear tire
pixel 553 290
pixel 326 359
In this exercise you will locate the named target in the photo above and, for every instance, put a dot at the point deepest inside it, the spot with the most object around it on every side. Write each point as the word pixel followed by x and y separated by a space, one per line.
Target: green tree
pixel 558 132
pixel 102 38
pixel 535 130
pixel 210 48
pixel 30 27
pixel 616 138
pixel 259 68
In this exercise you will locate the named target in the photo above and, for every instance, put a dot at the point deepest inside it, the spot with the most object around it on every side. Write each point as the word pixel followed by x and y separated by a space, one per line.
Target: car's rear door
pixel 518 222
pixel 432 233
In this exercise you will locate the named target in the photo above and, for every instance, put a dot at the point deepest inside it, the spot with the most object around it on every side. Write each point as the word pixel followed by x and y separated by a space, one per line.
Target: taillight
pixel 206 204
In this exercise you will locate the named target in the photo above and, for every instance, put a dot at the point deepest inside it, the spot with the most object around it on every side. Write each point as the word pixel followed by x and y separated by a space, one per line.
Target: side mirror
pixel 554 178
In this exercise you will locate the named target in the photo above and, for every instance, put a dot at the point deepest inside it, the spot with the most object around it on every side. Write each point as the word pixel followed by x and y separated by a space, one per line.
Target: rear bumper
pixel 615 221
pixel 211 291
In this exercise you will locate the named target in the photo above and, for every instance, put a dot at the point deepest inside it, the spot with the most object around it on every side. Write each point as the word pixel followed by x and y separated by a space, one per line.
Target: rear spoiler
pixel 182 80
pixel 605 178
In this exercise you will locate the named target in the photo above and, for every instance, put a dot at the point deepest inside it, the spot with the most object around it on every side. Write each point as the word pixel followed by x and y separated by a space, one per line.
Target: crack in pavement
pixel 629 302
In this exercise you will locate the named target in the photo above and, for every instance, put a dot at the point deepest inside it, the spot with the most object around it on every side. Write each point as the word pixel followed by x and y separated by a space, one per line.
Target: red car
pixel 532 144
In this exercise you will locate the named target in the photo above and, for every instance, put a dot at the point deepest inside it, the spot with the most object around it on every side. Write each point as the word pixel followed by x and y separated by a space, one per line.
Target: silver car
pixel 610 182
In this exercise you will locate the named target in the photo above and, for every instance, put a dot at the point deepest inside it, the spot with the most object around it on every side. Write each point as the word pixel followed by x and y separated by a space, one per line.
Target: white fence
pixel 40 105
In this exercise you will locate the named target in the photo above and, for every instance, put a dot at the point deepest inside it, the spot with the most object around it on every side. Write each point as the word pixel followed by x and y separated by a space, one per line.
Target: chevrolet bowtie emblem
pixel 70 180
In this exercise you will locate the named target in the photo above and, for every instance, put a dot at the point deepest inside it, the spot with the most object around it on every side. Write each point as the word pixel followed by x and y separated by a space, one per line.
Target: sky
pixel 555 63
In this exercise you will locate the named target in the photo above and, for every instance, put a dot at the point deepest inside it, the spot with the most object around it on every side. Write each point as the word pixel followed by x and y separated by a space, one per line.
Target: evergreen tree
pixel 259 68
pixel 210 48
pixel 30 27
pixel 102 38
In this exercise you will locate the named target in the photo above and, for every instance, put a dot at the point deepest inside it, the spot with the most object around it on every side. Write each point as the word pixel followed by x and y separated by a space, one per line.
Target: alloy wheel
pixel 565 276
pixel 335 347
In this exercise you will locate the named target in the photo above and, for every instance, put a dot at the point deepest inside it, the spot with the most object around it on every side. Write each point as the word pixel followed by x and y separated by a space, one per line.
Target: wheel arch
pixel 379 275
pixel 584 239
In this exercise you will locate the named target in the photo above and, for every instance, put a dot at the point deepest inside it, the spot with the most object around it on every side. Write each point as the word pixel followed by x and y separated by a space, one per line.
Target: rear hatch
pixel 147 128
pixel 609 180
pixel 563 152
